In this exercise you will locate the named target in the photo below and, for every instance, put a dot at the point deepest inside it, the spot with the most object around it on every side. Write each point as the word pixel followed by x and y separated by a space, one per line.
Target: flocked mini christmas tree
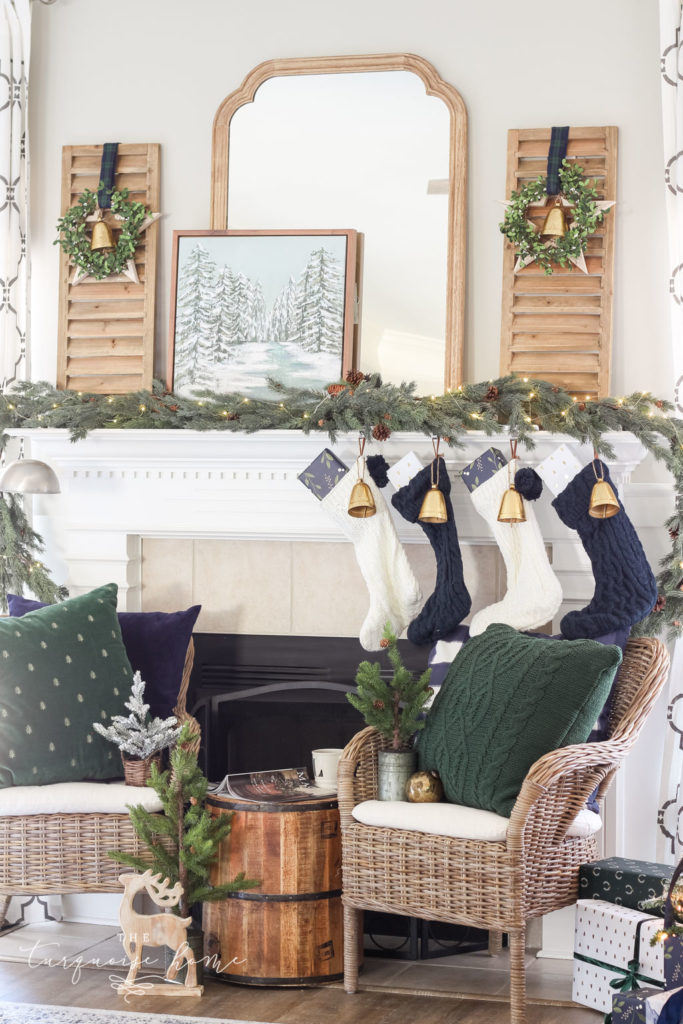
pixel 138 734
pixel 182 842
pixel 391 706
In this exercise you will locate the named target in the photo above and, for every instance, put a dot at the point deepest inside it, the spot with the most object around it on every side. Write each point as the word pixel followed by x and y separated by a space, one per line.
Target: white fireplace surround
pixel 120 486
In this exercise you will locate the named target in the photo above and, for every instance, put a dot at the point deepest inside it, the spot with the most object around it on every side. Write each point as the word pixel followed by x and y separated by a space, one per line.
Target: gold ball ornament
pixel 424 788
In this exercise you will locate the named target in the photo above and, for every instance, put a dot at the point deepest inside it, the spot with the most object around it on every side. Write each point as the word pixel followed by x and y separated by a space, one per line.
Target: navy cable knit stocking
pixel 625 587
pixel 450 602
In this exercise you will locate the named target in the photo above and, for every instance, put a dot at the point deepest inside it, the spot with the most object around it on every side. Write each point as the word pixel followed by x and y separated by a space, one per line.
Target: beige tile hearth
pixel 306 588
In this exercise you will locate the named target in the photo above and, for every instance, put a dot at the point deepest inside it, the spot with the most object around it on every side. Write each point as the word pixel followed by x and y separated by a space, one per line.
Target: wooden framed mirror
pixel 372 143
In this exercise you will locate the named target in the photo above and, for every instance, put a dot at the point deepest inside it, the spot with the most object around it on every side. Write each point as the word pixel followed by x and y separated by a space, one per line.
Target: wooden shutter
pixel 558 327
pixel 106 328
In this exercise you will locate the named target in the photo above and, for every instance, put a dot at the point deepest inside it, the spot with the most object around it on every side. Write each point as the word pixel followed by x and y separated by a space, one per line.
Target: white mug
pixel 325 761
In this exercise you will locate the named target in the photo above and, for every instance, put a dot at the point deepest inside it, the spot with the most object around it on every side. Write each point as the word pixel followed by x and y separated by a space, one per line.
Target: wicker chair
pixel 42 854
pixel 497 886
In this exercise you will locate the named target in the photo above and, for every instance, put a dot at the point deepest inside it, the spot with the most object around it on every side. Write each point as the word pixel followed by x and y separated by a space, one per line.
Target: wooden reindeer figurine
pixel 156 930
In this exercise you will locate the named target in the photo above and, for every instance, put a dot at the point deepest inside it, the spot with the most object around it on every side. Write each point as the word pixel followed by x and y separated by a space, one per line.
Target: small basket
pixel 136 771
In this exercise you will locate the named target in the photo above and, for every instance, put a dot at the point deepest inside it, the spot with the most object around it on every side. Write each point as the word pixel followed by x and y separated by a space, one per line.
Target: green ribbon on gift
pixel 628 978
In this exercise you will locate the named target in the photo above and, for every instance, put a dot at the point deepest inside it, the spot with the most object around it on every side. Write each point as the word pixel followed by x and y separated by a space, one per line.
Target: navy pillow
pixel 156 645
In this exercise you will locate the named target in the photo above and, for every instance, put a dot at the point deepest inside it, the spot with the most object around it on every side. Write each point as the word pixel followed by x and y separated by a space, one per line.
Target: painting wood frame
pixel 351 287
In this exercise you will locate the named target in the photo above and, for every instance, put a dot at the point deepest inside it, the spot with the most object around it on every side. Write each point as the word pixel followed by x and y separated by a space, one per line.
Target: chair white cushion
pixel 76 798
pixel 452 820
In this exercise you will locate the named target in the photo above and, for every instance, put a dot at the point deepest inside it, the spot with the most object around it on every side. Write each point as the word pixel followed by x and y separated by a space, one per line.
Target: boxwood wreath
pixel 586 216
pixel 74 240
pixel 361 404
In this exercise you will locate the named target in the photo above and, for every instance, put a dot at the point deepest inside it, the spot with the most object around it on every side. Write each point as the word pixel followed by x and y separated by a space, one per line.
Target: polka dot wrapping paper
pixel 606 940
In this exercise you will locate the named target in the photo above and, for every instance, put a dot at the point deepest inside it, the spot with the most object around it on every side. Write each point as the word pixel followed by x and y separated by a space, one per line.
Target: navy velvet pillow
pixel 156 645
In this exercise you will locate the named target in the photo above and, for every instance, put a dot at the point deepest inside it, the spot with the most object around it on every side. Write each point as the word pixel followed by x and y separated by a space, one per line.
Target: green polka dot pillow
pixel 62 668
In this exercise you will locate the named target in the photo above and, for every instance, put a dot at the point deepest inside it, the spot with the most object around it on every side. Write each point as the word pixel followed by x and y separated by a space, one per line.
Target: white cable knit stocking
pixel 394 592
pixel 533 593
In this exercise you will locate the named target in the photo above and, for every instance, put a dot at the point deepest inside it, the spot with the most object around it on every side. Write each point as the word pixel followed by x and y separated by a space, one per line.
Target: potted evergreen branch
pixel 394 707
pixel 182 842
pixel 140 738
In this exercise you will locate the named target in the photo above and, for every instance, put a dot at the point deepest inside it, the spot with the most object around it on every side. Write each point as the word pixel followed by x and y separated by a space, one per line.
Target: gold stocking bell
pixel 433 508
pixel 361 502
pixel 512 503
pixel 604 503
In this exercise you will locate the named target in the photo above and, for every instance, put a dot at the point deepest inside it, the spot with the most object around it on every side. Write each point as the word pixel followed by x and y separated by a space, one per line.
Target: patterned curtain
pixel 15 25
pixel 670 818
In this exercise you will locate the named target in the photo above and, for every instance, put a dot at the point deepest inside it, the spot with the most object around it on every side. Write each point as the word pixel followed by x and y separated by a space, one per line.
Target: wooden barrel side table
pixel 289 931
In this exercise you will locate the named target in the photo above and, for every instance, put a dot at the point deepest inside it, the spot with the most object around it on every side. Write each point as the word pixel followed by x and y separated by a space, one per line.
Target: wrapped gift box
pixel 607 940
pixel 483 468
pixel 558 469
pixel 673 961
pixel 645 1005
pixel 404 470
pixel 624 882
pixel 323 474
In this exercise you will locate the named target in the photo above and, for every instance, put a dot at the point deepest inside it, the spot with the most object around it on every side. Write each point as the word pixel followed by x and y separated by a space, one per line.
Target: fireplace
pixel 266 701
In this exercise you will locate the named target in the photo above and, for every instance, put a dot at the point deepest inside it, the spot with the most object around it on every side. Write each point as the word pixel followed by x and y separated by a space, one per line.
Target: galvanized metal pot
pixel 395 768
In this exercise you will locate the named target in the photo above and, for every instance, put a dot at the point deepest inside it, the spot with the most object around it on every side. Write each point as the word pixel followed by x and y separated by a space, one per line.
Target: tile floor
pixel 78 946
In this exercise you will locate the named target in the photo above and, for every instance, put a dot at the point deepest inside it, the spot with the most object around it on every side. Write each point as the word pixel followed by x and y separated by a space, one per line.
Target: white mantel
pixel 121 485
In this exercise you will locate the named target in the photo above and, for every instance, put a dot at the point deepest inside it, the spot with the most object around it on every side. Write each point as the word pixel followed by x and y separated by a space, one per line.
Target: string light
pixel 142 408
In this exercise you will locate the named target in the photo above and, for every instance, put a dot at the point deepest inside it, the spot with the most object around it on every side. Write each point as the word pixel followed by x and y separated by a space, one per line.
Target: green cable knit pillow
pixel 61 668
pixel 508 699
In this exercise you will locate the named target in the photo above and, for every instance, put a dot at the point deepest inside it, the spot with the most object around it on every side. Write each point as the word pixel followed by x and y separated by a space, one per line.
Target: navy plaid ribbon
pixel 107 173
pixel 557 151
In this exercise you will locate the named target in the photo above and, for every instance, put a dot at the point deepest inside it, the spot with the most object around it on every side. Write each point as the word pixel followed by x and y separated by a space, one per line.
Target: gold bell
pixel 512 507
pixel 102 237
pixel 433 509
pixel 361 502
pixel 603 503
pixel 555 223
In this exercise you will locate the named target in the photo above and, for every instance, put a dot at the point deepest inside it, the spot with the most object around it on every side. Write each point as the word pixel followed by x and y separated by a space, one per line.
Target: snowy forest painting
pixel 249 306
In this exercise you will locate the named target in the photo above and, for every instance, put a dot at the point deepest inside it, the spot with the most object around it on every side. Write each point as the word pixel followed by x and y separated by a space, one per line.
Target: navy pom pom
pixel 528 483
pixel 377 468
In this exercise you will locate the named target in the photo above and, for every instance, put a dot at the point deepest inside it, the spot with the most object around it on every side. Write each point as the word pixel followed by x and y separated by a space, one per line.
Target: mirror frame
pixel 457 191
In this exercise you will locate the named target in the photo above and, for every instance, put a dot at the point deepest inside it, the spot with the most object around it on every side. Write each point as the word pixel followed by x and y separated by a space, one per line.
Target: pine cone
pixel 321 423
pixel 355 377
pixel 378 705
pixel 555 389
pixel 335 389
pixel 581 406
pixel 384 643
pixel 659 403
pixel 173 408
pixel 380 432
pixel 233 416
pixel 660 604
pixel 492 394
pixel 673 533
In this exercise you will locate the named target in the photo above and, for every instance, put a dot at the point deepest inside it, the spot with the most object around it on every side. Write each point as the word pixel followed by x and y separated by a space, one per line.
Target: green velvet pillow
pixel 61 668
pixel 508 699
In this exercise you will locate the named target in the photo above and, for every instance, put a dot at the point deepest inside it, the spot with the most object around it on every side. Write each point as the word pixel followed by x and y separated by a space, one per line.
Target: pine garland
pixel 524 405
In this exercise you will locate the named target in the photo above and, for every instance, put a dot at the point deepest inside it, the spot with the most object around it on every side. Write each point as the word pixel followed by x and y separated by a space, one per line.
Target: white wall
pixel 156 70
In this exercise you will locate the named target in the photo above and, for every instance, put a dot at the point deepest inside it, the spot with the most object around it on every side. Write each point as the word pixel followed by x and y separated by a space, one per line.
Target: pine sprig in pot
pixel 138 735
pixel 182 842
pixel 391 706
